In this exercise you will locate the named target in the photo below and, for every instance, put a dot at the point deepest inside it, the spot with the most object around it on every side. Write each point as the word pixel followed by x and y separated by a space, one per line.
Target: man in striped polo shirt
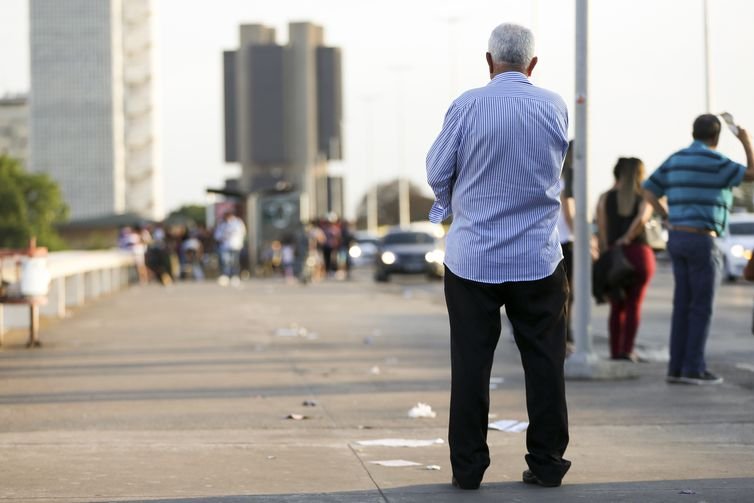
pixel 696 186
pixel 495 167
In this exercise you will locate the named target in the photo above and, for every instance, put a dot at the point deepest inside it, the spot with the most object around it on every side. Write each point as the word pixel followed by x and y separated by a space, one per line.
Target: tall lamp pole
pixel 584 363
pixel 582 277
pixel 707 77
pixel 404 210
pixel 371 200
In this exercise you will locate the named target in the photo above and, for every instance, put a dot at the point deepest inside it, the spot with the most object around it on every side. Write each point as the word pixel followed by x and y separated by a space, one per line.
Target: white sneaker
pixel 223 280
pixel 235 281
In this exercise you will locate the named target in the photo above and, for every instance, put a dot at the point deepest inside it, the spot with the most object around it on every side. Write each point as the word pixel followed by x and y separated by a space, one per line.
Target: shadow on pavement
pixel 717 490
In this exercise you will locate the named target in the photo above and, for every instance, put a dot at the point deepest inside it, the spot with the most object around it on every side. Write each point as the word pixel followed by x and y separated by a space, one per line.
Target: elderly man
pixel 697 182
pixel 495 167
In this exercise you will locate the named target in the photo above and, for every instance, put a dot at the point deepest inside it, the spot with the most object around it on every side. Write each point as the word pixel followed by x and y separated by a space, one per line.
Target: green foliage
pixel 196 213
pixel 30 205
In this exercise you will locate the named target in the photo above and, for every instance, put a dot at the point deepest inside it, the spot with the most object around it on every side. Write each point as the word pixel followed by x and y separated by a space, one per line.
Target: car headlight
pixel 436 256
pixel 355 251
pixel 737 251
pixel 388 258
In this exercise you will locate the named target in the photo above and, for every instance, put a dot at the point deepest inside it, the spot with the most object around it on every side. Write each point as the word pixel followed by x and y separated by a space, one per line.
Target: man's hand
pixel 743 135
pixel 745 140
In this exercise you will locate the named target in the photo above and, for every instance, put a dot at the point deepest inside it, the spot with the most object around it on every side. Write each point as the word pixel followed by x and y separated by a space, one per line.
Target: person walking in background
pixel 495 167
pixel 621 215
pixel 696 182
pixel 288 258
pixel 230 234
pixel 565 231
pixel 132 239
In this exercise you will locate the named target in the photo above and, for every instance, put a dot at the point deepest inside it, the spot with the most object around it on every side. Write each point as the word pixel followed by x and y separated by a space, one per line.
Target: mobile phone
pixel 728 118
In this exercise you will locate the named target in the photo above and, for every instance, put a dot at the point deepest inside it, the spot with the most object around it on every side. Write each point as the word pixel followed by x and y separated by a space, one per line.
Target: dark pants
pixel 536 310
pixel 697 266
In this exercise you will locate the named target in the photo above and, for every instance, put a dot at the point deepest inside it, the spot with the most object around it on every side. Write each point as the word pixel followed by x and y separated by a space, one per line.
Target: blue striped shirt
pixel 697 182
pixel 495 167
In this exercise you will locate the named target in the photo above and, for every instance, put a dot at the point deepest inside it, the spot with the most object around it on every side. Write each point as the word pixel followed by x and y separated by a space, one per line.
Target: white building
pixel 14 126
pixel 92 119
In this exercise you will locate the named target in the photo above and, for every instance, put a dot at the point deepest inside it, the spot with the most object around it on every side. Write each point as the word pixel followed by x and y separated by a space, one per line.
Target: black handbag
pixel 612 273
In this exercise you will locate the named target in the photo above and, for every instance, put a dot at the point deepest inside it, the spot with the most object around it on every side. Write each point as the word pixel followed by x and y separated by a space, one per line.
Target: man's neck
pixel 711 146
pixel 500 69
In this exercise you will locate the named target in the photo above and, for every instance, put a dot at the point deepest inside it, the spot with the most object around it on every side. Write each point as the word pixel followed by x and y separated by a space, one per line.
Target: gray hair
pixel 512 44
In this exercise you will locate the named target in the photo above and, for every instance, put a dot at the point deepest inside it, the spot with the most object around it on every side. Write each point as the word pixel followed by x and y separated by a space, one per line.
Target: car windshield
pixel 742 228
pixel 408 238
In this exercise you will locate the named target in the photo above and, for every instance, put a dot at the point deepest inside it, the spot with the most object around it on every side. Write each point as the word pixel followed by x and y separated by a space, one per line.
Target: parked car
pixel 363 250
pixel 737 244
pixel 409 252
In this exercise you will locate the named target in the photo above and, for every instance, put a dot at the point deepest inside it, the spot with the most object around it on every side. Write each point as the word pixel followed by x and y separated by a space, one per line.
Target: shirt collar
pixel 510 77
pixel 699 145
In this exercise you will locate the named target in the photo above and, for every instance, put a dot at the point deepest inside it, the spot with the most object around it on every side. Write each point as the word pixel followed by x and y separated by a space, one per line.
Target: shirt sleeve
pixel 442 164
pixel 736 174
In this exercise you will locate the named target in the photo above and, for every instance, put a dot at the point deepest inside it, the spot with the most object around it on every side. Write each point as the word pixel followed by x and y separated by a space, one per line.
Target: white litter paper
pixel 509 425
pixel 395 463
pixel 400 442
pixel 422 410
pixel 433 467
pixel 292 331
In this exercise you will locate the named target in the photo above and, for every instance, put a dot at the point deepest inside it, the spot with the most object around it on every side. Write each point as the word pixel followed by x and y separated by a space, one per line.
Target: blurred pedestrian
pixel 192 257
pixel 230 234
pixel 331 229
pixel 565 231
pixel 158 257
pixel 622 213
pixel 696 184
pixel 132 240
pixel 495 167
pixel 288 259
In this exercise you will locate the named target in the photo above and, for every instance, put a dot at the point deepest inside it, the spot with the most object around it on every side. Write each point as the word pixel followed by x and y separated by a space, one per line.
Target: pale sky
pixel 404 61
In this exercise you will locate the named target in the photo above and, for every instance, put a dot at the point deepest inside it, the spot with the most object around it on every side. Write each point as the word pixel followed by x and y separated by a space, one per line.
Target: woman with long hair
pixel 621 215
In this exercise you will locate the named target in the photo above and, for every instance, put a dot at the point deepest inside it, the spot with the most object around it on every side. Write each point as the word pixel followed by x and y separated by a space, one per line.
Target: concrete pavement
pixel 182 394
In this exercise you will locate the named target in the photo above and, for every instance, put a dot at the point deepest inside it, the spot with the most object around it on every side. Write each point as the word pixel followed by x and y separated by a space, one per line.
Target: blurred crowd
pixel 168 252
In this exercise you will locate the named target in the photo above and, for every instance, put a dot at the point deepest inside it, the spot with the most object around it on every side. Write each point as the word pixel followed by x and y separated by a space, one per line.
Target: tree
pixel 196 213
pixel 30 206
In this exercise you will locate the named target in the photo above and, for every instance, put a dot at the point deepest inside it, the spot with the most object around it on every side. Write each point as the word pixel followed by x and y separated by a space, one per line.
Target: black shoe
pixel 530 478
pixel 703 379
pixel 673 378
pixel 464 486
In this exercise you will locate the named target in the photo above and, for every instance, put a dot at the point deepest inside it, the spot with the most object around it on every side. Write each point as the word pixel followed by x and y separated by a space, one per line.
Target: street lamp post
pixel 404 210
pixel 584 363
pixel 371 197
pixel 707 77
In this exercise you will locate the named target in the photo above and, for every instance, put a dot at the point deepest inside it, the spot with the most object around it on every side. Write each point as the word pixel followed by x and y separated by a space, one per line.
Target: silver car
pixel 737 244
pixel 409 252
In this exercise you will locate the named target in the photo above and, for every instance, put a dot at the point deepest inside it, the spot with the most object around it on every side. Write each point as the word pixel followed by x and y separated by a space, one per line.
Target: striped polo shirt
pixel 697 182
pixel 495 167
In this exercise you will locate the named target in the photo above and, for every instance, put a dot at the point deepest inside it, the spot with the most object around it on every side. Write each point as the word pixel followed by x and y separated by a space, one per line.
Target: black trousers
pixel 537 312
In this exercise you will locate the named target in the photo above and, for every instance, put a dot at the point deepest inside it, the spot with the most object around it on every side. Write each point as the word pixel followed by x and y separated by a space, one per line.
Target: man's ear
pixel 531 66
pixel 489 63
